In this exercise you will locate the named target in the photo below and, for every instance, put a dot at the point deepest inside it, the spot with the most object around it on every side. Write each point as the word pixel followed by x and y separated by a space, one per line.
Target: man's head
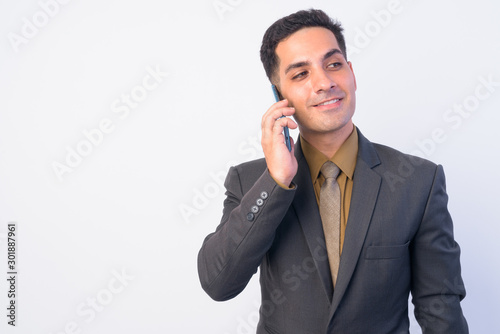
pixel 288 25
pixel 311 72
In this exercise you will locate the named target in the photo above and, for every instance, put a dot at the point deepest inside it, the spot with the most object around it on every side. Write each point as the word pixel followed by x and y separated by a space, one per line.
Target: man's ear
pixel 350 66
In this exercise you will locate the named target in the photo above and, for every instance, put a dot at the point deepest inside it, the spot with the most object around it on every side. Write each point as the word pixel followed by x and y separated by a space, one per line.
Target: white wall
pixel 103 246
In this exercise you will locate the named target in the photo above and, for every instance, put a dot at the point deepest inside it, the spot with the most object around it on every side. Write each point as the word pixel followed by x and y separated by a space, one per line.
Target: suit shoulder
pixel 385 157
pixel 406 173
pixel 248 172
pixel 397 161
pixel 388 154
pixel 257 164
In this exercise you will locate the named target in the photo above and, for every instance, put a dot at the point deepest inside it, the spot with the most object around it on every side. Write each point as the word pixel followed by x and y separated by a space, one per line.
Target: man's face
pixel 317 81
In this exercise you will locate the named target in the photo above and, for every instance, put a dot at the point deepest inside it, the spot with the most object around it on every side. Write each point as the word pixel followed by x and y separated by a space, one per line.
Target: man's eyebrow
pixel 296 65
pixel 305 63
pixel 331 53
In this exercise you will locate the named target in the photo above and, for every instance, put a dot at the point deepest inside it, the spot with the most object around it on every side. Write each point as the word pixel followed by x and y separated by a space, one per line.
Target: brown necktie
pixel 329 209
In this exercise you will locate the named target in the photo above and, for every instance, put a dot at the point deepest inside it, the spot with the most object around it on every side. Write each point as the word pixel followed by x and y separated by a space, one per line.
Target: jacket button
pixel 264 195
pixel 260 202
pixel 255 209
pixel 250 216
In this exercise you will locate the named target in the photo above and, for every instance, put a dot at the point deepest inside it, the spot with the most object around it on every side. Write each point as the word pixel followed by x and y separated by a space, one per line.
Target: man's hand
pixel 281 163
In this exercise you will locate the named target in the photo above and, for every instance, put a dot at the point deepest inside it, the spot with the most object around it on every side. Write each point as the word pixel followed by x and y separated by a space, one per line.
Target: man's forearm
pixel 231 255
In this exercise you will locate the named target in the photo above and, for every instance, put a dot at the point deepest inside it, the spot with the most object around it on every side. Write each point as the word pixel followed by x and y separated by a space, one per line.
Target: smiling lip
pixel 328 102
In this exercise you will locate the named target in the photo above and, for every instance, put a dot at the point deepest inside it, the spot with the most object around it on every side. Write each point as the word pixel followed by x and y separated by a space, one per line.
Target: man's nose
pixel 322 81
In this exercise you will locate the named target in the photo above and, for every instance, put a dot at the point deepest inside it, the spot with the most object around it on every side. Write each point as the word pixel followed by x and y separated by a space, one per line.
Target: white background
pixel 140 201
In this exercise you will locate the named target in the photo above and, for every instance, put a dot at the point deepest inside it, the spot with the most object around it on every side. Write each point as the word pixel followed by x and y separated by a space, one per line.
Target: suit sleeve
pixel 437 286
pixel 231 255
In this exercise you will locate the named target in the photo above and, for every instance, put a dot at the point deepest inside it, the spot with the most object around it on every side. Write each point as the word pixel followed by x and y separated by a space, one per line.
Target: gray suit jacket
pixel 399 238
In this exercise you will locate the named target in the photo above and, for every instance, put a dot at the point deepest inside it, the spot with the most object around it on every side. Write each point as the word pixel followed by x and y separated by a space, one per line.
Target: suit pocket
pixel 386 252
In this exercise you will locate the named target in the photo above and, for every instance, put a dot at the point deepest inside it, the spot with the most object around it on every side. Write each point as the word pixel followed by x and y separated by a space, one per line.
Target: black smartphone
pixel 278 97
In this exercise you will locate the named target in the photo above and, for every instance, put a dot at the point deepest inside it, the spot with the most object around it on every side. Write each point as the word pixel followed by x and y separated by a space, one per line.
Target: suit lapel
pixel 306 209
pixel 364 197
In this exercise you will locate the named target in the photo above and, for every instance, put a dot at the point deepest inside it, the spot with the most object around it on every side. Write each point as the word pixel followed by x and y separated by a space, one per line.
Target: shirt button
pixel 250 216
pixel 255 209
pixel 260 202
pixel 264 195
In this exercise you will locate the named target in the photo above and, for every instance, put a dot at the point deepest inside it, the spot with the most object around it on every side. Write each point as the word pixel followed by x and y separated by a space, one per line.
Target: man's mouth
pixel 328 102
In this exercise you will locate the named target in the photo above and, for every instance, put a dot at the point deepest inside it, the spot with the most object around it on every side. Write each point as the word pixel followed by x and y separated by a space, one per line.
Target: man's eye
pixel 335 65
pixel 300 75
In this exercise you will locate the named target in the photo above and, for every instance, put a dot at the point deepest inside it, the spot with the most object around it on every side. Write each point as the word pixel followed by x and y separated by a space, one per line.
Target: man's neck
pixel 329 143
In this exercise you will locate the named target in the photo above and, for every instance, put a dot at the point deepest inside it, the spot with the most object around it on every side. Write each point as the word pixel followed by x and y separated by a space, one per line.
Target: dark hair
pixel 290 24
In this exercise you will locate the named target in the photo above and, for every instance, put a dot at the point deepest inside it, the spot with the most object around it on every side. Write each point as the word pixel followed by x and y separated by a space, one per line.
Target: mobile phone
pixel 278 97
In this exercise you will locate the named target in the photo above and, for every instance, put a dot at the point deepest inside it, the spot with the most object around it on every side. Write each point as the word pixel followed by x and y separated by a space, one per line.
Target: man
pixel 337 254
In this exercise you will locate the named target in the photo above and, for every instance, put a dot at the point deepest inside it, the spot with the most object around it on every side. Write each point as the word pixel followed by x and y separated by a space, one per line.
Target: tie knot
pixel 330 170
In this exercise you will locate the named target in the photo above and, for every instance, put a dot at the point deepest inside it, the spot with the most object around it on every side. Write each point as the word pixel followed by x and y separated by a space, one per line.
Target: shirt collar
pixel 345 158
